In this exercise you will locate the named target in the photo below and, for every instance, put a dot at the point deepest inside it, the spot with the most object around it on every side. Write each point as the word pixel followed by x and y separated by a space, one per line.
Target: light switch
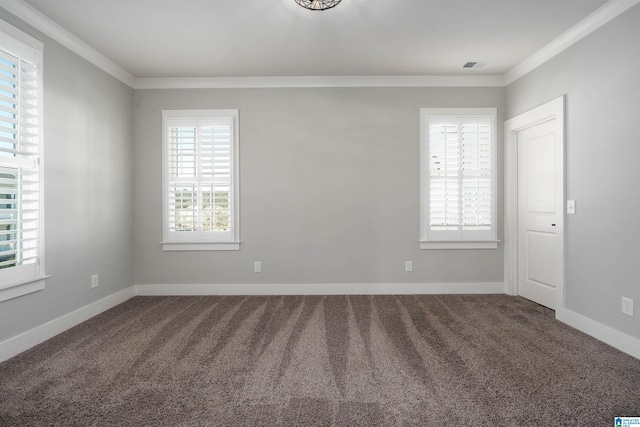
pixel 571 207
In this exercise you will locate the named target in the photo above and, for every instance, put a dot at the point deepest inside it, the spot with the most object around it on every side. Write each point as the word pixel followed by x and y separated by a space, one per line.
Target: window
pixel 21 237
pixel 457 186
pixel 201 180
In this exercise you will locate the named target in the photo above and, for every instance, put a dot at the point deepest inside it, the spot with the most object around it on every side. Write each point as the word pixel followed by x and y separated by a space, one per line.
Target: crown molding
pixel 43 23
pixel 597 19
pixel 317 81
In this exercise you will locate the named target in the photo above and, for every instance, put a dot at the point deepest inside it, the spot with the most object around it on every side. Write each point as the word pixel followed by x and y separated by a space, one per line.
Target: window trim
pixel 32 50
pixel 233 244
pixel 462 242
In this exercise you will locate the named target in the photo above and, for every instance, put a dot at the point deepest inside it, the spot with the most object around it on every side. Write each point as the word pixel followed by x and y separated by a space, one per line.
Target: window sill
pixel 200 246
pixel 453 244
pixel 18 289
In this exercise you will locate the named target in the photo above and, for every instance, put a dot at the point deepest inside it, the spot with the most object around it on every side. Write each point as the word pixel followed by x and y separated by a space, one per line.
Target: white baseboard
pixel 604 333
pixel 322 289
pixel 15 345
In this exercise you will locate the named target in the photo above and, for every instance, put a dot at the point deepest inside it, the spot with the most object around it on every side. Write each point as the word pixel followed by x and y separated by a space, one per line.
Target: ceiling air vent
pixel 475 64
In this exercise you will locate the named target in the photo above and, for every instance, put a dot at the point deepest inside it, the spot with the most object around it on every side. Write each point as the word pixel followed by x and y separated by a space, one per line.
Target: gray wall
pixel 329 188
pixel 88 130
pixel 599 76
pixel 329 182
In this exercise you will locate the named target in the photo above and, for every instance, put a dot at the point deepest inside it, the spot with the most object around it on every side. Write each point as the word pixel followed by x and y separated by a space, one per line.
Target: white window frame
pixel 19 280
pixel 458 239
pixel 198 240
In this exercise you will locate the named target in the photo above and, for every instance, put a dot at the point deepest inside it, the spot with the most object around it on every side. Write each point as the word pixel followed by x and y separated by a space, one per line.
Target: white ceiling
pixel 248 38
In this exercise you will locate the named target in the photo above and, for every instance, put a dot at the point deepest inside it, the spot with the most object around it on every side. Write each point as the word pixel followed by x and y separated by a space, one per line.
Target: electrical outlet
pixel 94 281
pixel 257 267
pixel 408 266
pixel 627 306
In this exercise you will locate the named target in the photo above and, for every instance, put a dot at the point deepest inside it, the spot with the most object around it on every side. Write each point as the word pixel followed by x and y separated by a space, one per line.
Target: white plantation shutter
pixel 200 187
pixel 20 186
pixel 458 199
pixel 476 174
pixel 444 182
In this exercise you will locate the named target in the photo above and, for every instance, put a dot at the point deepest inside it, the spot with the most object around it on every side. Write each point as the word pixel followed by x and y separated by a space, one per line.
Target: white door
pixel 538 213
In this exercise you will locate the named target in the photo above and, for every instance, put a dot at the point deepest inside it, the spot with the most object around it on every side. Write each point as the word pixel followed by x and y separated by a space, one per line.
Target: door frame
pixel 551 110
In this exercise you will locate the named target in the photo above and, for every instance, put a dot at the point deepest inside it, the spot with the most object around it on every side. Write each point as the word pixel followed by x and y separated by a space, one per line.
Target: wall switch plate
pixel 408 266
pixel 94 281
pixel 627 306
pixel 257 267
pixel 571 207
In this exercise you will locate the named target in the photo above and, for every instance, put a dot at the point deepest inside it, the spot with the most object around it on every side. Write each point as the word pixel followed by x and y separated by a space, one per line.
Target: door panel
pixel 541 250
pixel 537 213
pixel 541 168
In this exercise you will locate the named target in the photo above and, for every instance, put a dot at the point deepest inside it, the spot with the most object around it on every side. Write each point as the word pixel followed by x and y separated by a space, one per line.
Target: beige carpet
pixel 320 361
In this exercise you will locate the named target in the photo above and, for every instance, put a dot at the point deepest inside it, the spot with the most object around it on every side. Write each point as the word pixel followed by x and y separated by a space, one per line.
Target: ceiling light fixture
pixel 318 4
